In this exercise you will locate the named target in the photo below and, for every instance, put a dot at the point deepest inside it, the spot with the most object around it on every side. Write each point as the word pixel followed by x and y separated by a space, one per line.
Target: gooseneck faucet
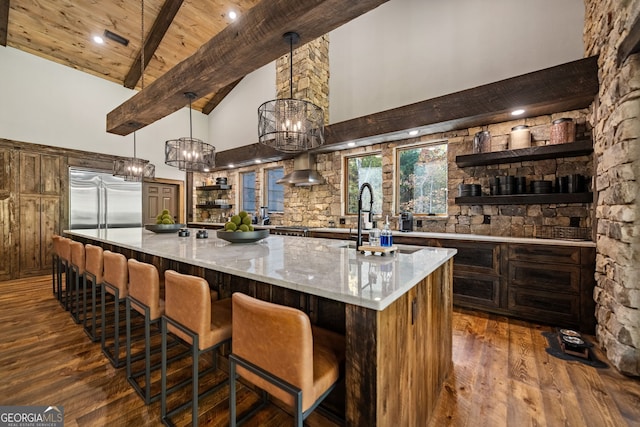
pixel 360 211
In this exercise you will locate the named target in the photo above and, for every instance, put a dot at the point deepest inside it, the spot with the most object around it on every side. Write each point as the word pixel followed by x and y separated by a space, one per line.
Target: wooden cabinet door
pixel 39 220
pixel 39 173
pixel 50 174
pixel 29 249
pixel 6 242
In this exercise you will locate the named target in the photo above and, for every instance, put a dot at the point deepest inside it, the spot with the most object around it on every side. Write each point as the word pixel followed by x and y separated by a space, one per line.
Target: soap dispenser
pixel 386 238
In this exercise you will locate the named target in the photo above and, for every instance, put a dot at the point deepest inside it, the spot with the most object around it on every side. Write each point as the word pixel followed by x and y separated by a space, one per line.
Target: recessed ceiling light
pixel 233 15
pixel 206 170
pixel 98 39
pixel 351 144
pixel 413 133
pixel 517 112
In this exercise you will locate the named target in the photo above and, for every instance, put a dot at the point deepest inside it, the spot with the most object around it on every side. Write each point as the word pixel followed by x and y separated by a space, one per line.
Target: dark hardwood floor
pixel 502 375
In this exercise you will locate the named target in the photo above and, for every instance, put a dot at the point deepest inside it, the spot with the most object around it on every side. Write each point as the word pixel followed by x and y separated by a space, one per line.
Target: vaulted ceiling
pixel 63 31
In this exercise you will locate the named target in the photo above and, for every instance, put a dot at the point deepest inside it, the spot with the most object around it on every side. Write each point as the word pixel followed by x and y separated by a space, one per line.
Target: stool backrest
pixel 94 261
pixel 56 244
pixel 188 302
pixel 144 286
pixel 77 255
pixel 116 271
pixel 65 249
pixel 276 338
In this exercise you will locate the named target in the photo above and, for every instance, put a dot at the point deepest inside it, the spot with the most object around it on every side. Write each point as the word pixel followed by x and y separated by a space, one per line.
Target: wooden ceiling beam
pixel 4 21
pixel 219 96
pixel 565 87
pixel 252 41
pixel 158 30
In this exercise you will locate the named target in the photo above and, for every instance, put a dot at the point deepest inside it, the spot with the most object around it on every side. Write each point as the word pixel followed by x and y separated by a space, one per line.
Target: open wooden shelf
pixel 212 206
pixel 573 149
pixel 526 199
pixel 214 187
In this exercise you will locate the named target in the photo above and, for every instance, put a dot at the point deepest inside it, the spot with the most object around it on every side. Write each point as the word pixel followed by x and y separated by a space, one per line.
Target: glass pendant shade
pixel 188 153
pixel 290 125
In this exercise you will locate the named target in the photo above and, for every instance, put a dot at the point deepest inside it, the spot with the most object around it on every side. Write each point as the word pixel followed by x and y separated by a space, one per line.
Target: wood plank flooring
pixel 501 376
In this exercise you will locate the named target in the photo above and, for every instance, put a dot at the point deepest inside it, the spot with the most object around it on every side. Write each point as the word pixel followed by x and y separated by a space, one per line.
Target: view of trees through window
pixel 274 191
pixel 360 170
pixel 422 179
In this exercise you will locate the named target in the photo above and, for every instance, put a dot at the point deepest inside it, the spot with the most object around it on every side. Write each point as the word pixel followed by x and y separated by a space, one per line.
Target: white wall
pixel 42 102
pixel 234 122
pixel 407 51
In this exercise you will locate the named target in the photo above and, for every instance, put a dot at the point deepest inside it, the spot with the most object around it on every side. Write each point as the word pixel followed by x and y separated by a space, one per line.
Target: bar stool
pixel 276 348
pixel 77 267
pixel 144 297
pixel 94 268
pixel 55 264
pixel 203 324
pixel 64 258
pixel 116 283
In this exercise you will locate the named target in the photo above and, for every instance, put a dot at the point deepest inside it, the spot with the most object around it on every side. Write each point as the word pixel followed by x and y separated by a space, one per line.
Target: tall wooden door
pixel 156 197
pixel 39 219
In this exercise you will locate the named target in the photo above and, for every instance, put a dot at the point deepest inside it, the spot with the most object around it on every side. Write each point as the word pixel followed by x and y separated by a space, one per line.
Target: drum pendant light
pixel 291 125
pixel 188 153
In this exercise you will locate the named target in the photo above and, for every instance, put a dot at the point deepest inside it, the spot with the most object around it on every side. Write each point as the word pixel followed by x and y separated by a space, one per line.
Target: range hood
pixel 304 173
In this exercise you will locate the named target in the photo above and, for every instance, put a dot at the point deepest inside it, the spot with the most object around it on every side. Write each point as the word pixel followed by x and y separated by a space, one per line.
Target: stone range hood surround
pixel 304 173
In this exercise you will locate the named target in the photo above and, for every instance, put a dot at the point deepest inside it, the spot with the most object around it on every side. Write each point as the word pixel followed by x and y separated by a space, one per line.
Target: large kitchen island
pixel 394 310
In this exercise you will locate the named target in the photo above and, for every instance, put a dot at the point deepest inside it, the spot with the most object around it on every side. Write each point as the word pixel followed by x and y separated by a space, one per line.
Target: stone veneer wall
pixel 616 119
pixel 317 205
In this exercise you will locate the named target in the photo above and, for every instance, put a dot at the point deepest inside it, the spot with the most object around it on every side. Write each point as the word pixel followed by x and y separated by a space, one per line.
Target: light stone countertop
pixel 450 236
pixel 321 267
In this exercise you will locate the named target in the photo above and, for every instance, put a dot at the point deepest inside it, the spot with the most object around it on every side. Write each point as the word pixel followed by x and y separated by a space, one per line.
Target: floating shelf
pixel 544 152
pixel 526 199
pixel 207 206
pixel 214 187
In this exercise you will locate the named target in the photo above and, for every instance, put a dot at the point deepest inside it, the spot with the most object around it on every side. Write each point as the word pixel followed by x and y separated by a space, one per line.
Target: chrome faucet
pixel 360 211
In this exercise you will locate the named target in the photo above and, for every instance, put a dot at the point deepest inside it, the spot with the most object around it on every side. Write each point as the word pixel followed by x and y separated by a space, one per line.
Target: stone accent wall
pixel 310 74
pixel 616 119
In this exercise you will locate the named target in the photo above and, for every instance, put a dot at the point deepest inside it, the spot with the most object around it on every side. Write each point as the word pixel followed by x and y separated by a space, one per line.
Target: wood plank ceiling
pixel 63 30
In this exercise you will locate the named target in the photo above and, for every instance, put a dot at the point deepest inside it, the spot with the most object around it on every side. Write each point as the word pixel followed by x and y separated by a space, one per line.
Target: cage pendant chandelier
pixel 188 153
pixel 291 125
pixel 132 168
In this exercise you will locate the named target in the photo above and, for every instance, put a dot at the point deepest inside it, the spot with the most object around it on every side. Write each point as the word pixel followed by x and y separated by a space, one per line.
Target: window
pixel 360 170
pixel 422 179
pixel 274 197
pixel 248 191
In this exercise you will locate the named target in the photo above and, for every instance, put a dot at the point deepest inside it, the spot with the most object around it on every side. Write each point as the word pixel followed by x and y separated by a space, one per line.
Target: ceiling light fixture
pixel 132 168
pixel 233 15
pixel 116 38
pixel 188 153
pixel 98 39
pixel 517 112
pixel 290 125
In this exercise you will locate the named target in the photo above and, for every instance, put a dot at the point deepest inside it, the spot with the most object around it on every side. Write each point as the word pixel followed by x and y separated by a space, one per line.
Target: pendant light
pixel 189 154
pixel 132 168
pixel 291 125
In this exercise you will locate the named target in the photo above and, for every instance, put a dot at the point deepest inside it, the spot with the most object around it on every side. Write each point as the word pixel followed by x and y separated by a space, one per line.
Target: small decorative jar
pixel 482 142
pixel 520 137
pixel 562 131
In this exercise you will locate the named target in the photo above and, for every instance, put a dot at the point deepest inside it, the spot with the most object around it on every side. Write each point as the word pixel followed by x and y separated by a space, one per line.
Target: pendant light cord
pixel 190 124
pixel 291 66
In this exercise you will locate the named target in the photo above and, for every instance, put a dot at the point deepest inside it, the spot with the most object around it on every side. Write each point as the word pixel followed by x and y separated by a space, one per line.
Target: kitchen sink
pixel 402 250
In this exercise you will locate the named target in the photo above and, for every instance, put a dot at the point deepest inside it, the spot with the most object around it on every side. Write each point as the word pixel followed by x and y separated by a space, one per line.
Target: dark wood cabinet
pixel 39 173
pixel 8 218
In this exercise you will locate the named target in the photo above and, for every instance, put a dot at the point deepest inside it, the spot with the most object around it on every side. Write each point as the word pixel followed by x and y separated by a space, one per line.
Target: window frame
pixel 345 177
pixel 265 191
pixel 396 184
pixel 242 190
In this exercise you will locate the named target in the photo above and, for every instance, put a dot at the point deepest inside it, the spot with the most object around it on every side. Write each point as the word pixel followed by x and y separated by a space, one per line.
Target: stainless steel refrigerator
pixel 101 200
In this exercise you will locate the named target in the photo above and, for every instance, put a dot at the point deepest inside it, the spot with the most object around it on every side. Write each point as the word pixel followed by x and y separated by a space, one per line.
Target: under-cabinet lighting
pixel 351 144
pixel 517 112
pixel 413 133
pixel 230 165
pixel 98 39
pixel 258 161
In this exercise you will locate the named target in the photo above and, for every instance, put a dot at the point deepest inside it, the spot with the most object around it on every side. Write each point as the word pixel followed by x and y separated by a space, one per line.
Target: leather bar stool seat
pixel 201 323
pixel 76 308
pixel 116 283
pixel 94 268
pixel 276 348
pixel 144 298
